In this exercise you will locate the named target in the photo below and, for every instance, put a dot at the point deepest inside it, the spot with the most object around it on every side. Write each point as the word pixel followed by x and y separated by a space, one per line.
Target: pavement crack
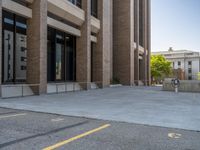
pixel 42 134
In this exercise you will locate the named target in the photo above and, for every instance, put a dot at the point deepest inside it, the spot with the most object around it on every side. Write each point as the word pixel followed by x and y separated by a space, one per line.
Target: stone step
pixel 93 86
pixel 9 91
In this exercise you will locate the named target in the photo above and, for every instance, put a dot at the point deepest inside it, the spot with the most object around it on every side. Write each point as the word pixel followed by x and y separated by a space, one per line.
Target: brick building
pixel 50 42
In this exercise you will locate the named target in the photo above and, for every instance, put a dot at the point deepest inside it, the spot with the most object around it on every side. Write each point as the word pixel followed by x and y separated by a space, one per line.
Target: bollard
pixel 175 83
pixel 176 89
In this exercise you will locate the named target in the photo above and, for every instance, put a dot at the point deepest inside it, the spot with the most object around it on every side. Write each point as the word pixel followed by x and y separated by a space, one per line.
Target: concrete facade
pixel 131 41
pixel 115 34
pixel 186 60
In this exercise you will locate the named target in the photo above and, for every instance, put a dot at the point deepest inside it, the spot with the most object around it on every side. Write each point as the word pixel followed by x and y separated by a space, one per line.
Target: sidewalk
pixel 142 105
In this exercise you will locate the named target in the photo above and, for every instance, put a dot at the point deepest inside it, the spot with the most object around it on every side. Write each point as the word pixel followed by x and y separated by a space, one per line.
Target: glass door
pixel 70 74
pixel 60 57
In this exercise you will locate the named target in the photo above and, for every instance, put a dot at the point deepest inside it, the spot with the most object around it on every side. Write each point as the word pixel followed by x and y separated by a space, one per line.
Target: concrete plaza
pixel 140 105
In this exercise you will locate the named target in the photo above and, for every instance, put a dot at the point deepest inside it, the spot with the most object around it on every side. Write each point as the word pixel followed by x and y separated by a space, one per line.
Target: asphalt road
pixel 24 130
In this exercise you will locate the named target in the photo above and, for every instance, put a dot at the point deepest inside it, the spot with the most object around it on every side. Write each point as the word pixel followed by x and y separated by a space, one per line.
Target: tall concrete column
pixel 37 46
pixel 145 42
pixel 136 57
pixel 83 54
pixel 123 41
pixel 111 38
pixel 103 50
pixel 0 45
pixel 149 41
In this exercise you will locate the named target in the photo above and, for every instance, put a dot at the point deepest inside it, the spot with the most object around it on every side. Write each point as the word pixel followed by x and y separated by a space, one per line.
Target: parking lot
pixel 25 130
pixel 141 105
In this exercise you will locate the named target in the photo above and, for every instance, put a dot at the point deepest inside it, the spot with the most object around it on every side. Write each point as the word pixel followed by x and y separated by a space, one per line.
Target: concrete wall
pixel 185 86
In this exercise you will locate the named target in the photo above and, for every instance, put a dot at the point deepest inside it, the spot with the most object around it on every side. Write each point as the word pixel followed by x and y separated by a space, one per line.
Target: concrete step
pixel 93 86
pixel 63 87
pixel 140 83
pixel 9 91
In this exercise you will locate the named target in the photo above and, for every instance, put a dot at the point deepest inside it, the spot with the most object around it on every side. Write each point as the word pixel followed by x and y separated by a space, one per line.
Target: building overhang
pixel 93 39
pixel 67 11
pixel 29 1
pixel 95 24
pixel 63 27
pixel 16 8
pixel 141 50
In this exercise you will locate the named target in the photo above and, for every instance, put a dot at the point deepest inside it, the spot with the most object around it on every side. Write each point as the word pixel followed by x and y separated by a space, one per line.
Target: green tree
pixel 160 68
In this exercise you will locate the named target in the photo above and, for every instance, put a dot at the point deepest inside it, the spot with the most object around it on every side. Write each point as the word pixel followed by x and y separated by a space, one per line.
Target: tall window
pixel 61 56
pixel 189 63
pixel 189 77
pixel 14 48
pixel 190 70
pixel 76 2
pixel 94 8
pixel 179 64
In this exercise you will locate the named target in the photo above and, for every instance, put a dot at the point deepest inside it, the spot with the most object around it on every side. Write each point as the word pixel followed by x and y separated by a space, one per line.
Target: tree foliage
pixel 160 67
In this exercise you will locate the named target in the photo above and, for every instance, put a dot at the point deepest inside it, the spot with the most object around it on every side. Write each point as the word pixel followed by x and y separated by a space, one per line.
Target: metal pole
pixel 73 87
pixel 22 91
pixel 176 89
pixel 56 88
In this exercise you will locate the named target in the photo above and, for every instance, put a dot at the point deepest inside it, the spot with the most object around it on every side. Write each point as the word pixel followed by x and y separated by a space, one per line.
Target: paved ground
pixel 24 130
pixel 140 105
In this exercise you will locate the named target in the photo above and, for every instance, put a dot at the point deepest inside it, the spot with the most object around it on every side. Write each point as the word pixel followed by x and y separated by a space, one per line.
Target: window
pixel 179 63
pixel 61 59
pixel 190 70
pixel 189 63
pixel 76 2
pixel 94 8
pixel 190 78
pixel 14 48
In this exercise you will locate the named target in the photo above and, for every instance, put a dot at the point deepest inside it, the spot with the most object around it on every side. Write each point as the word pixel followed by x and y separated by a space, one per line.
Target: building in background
pixel 186 60
pixel 50 44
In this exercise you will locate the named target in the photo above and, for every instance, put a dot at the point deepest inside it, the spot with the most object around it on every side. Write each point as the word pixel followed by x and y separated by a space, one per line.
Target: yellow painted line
pixel 9 116
pixel 76 137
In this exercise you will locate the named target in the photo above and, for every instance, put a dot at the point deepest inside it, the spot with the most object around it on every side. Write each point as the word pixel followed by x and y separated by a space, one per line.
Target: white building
pixel 188 61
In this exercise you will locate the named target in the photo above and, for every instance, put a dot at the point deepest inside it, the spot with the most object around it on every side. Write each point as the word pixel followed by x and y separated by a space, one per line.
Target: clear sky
pixel 175 23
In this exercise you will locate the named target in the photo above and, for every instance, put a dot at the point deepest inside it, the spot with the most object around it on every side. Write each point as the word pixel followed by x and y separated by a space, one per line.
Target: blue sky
pixel 175 23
